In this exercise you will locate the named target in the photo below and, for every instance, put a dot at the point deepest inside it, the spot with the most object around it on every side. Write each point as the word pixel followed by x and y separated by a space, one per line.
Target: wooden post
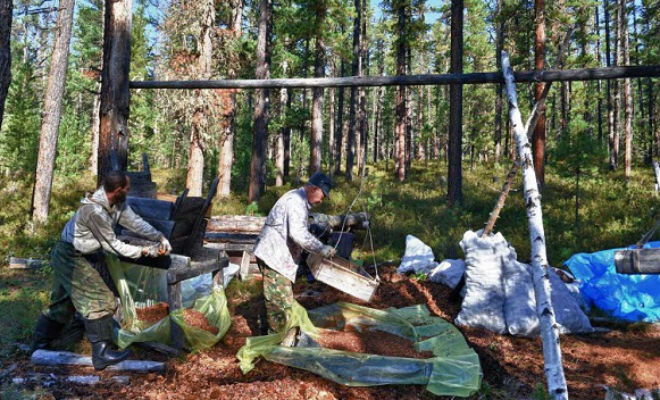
pixel 115 94
pixel 553 368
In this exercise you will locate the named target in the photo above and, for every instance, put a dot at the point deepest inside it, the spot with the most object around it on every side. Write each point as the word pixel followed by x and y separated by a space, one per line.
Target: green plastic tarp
pixel 453 371
pixel 144 286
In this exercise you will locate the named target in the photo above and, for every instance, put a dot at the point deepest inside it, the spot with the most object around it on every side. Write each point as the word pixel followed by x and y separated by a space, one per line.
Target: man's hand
pixel 165 247
pixel 328 251
pixel 150 251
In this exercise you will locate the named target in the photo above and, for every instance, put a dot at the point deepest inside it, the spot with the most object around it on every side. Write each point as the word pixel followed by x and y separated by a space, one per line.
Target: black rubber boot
pixel 72 333
pixel 99 333
pixel 45 332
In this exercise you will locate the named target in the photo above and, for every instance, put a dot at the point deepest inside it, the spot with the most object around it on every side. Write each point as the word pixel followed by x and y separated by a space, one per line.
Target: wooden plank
pixel 245 266
pixel 548 75
pixel 232 246
pixel 151 208
pixel 236 223
pixel 57 358
pixel 24 263
pixel 230 237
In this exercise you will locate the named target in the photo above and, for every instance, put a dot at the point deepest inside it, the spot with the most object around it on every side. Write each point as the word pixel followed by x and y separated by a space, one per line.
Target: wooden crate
pixel 343 275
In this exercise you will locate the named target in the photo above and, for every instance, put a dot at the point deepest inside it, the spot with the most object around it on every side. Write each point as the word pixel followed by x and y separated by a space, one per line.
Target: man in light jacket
pixel 81 279
pixel 281 241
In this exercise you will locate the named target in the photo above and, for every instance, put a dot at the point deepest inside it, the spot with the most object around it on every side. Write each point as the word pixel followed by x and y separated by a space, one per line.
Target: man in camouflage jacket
pixel 81 281
pixel 281 241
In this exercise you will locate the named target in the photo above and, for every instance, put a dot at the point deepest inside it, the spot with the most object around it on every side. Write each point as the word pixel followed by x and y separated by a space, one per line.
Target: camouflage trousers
pixel 77 286
pixel 278 296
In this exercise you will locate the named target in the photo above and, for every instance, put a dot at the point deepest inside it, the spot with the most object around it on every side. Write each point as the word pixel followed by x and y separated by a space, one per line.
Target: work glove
pixel 328 251
pixel 165 247
pixel 150 251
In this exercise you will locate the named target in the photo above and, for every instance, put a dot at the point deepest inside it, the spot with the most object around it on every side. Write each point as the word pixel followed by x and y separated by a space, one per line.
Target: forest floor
pixel 626 358
pixel 611 213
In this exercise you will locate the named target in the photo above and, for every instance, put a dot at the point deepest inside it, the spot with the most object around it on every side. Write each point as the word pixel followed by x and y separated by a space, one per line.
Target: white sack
pixel 417 258
pixel 448 272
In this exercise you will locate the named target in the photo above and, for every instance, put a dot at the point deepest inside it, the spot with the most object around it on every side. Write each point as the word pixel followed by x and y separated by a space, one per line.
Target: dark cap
pixel 321 181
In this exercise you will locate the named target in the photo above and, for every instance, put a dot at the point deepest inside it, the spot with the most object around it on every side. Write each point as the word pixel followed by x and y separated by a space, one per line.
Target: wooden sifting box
pixel 343 275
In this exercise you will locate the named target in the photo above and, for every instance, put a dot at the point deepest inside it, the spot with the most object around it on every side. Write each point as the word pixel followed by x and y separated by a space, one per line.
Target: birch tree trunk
pixel 6 8
pixel 115 94
pixel 549 331
pixel 52 112
pixel 226 156
pixel 257 173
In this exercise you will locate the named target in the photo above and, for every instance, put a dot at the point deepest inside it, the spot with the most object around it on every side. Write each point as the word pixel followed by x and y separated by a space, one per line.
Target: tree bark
pixel 617 90
pixel 549 330
pixel 499 38
pixel 195 176
pixel 400 122
pixel 455 180
pixel 6 7
pixel 52 112
pixel 610 109
pixel 226 156
pixel 279 156
pixel 538 139
pixel 257 167
pixel 627 94
pixel 363 126
pixel 355 71
pixel 317 94
pixel 339 133
pixel 115 94
pixel 599 60
pixel 331 122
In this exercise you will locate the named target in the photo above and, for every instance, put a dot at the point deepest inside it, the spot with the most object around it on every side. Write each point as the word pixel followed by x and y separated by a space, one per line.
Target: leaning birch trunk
pixel 554 371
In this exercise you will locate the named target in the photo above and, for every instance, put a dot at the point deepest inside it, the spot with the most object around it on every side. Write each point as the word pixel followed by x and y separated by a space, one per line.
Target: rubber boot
pixel 45 332
pixel 99 333
pixel 72 333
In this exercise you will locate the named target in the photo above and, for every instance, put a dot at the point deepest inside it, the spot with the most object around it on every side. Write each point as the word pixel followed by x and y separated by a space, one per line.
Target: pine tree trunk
pixel 549 330
pixel 362 114
pixel 355 71
pixel 597 56
pixel 627 92
pixel 257 166
pixel 400 122
pixel 331 121
pixel 317 93
pixel 610 107
pixel 96 109
pixel 538 139
pixel 378 131
pixel 6 8
pixel 499 38
pixel 226 156
pixel 115 94
pixel 195 176
pixel 421 155
pixel 339 134
pixel 408 104
pixel 286 132
pixel 52 112
pixel 455 180
pixel 617 89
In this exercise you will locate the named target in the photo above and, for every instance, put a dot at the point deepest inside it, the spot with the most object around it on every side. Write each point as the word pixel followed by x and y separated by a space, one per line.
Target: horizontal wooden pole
pixel 581 74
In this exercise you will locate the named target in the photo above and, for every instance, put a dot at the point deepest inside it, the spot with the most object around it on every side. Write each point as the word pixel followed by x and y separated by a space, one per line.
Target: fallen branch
pixel 495 214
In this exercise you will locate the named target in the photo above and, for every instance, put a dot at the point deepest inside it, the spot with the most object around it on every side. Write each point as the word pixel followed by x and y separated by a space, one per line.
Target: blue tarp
pixel 626 297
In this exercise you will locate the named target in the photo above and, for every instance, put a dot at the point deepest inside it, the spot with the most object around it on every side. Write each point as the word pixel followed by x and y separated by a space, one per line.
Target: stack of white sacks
pixel 498 292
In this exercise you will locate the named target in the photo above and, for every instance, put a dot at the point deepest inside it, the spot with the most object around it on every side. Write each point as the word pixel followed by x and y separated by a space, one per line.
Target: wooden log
pixel 549 330
pixel 24 263
pixel 248 224
pixel 56 358
pixel 578 74
pixel 637 261
pixel 244 271
pixel 231 247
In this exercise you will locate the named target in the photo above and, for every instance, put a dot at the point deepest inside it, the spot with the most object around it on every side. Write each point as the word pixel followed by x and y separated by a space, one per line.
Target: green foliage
pixel 540 393
pixel 19 138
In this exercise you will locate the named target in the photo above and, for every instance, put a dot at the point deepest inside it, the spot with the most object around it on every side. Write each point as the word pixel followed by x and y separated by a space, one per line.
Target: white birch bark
pixel 553 368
